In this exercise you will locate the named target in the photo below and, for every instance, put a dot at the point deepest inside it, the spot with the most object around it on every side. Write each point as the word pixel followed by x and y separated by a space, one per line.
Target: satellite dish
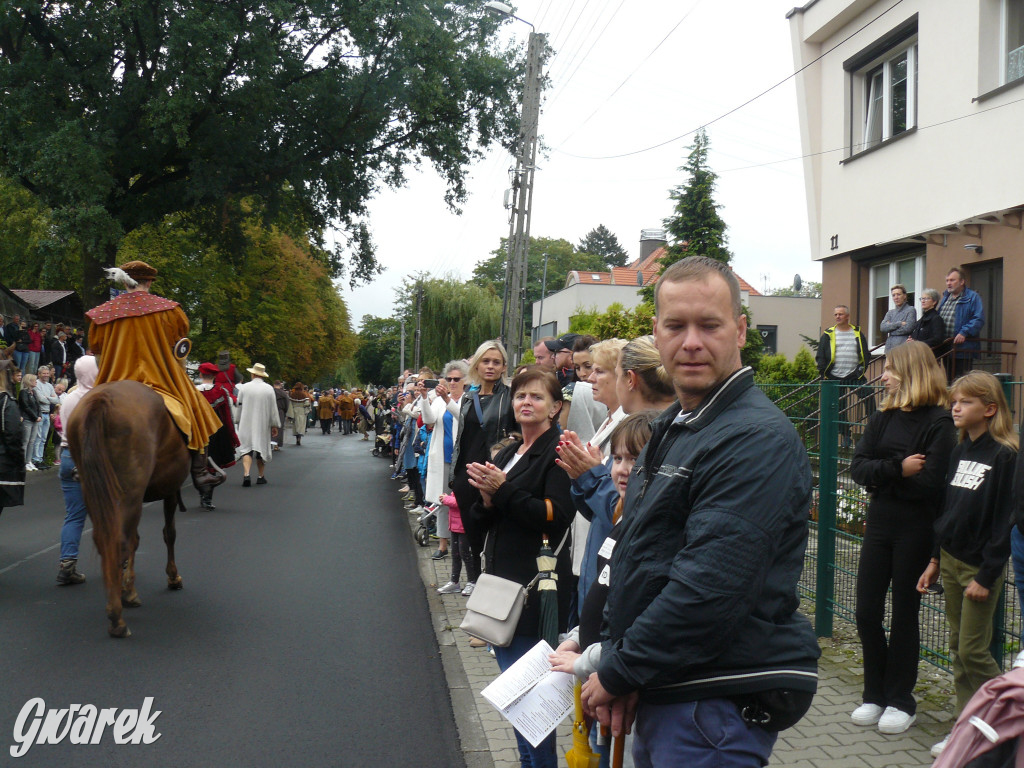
pixel 797 283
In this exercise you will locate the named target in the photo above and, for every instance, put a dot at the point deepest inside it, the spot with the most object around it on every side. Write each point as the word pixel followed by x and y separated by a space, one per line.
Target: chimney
pixel 650 241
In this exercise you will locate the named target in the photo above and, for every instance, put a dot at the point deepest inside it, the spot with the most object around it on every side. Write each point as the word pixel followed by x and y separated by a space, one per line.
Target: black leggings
pixel 412 477
pixel 461 554
pixel 896 549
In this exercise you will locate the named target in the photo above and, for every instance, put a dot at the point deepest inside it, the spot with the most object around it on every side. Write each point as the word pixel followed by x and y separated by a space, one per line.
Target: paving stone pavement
pixel 825 738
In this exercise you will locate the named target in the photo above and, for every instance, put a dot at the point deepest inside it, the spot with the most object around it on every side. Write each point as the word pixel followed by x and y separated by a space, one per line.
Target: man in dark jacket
pixel 964 317
pixel 702 603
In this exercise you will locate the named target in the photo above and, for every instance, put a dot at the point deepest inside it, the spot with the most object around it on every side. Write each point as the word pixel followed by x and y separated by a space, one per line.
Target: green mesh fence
pixel 839 509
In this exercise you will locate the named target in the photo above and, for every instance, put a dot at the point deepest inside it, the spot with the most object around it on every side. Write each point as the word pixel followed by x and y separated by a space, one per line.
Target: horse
pixel 127 451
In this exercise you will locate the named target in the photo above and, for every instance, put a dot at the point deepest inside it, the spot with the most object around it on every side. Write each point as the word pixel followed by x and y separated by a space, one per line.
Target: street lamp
pixel 522 189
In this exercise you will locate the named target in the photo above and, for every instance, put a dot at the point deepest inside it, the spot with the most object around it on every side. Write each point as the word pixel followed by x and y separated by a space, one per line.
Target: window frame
pixel 873 335
pixel 864 97
pixel 1004 45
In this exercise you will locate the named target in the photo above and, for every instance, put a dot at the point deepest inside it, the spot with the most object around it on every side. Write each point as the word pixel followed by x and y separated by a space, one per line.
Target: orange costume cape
pixel 133 337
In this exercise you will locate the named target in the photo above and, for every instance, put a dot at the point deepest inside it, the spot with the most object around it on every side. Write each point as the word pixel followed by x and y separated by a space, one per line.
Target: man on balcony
pixel 843 355
pixel 964 317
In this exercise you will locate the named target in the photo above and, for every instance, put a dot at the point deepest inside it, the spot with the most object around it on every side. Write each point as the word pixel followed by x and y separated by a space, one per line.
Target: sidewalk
pixel 825 738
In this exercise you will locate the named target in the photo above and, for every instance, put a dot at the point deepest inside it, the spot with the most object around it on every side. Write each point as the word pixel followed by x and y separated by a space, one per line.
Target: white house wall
pixel 965 158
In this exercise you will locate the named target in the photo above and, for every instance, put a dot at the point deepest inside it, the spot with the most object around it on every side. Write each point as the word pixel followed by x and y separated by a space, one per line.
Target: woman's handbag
pixel 494 608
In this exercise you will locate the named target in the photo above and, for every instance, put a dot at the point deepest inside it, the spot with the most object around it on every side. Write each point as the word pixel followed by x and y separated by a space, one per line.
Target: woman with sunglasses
pixel 442 407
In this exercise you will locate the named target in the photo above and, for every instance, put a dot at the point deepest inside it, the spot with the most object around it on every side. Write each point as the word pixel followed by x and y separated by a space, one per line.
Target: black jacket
pixel 518 519
pixel 28 405
pixel 703 601
pixel 12 457
pixel 977 512
pixel 930 329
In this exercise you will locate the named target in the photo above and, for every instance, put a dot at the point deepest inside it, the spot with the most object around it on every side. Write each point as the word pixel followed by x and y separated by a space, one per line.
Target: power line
pixel 630 75
pixel 845 148
pixel 589 50
pixel 726 114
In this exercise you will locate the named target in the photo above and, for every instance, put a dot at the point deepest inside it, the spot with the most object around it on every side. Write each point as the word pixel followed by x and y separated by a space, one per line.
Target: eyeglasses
pixel 453 379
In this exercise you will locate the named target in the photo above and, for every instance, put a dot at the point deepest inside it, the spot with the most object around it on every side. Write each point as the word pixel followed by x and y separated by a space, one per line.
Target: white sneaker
pixel 895 720
pixel 451 588
pixel 866 714
pixel 30 467
pixel 937 748
pixel 469 589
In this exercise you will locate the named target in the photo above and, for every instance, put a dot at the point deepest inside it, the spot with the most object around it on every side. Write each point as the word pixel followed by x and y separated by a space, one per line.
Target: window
pixel 1012 40
pixel 905 270
pixel 769 338
pixel 885 97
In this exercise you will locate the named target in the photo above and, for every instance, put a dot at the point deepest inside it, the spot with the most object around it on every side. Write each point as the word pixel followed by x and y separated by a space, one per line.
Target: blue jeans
pixel 19 360
pixel 1017 555
pixel 42 432
pixel 699 734
pixel 542 756
pixel 74 506
pixel 31 362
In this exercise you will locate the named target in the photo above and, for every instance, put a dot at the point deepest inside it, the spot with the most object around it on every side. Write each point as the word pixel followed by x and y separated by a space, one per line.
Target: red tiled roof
pixel 627 275
pixel 588 278
pixel 39 299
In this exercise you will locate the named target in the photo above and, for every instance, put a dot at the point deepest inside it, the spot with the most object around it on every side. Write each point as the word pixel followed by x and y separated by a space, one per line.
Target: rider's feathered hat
pixel 129 273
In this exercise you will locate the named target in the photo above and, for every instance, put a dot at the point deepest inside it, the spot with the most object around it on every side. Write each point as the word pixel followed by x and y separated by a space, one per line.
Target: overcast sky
pixel 628 75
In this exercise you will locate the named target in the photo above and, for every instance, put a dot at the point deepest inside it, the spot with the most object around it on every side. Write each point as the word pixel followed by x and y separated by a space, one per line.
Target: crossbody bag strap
pixel 477 408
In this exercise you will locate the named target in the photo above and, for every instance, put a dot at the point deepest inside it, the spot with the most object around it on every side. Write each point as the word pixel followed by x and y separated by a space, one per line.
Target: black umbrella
pixel 547 589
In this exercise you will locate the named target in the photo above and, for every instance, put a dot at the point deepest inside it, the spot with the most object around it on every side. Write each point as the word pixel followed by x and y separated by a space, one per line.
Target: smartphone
pixel 430 383
pixel 936 589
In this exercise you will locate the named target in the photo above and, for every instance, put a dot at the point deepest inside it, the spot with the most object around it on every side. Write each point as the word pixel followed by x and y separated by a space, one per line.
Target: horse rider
pixel 142 337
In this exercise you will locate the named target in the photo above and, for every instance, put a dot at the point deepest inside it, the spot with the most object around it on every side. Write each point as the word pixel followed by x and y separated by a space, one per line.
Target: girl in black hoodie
pixel 972 535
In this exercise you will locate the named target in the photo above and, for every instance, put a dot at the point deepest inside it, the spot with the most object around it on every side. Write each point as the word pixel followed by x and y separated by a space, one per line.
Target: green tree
pixel 116 115
pixel 809 289
pixel 614 322
pixel 602 242
pixel 32 255
pixel 455 317
pixel 379 349
pixel 271 300
pixel 562 258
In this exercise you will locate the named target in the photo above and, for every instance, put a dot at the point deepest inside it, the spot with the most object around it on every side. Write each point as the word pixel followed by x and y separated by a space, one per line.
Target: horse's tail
pixel 101 486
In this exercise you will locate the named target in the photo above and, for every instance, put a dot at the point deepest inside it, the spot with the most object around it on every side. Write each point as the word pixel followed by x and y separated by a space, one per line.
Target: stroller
pixel 988 732
pixel 427 525
pixel 382 435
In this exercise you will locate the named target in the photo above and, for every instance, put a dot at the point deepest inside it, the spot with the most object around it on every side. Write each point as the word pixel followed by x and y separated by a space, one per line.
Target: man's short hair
pixel 842 307
pixel 700 268
pixel 959 272
pixel 899 286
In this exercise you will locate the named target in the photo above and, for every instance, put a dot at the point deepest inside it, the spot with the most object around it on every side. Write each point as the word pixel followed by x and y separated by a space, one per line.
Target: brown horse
pixel 127 451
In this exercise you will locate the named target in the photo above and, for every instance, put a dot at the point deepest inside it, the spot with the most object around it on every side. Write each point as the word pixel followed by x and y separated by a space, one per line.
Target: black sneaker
pixel 246 482
pixel 261 481
pixel 439 555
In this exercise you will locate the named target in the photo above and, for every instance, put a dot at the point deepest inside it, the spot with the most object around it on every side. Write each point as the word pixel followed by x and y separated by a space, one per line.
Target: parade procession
pixel 485 384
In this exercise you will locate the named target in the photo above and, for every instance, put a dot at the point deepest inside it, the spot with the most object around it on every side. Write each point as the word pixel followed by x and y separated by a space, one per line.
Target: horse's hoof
pixel 131 601
pixel 175 583
pixel 120 632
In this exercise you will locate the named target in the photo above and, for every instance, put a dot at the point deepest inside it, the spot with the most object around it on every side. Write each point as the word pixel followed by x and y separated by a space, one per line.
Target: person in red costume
pixel 221 450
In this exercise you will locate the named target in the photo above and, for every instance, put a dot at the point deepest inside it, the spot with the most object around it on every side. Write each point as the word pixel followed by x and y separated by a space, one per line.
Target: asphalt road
pixel 301 637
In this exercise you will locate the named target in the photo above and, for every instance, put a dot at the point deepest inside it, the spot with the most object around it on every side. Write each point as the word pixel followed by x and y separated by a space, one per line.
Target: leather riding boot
pixel 206 498
pixel 298 439
pixel 200 477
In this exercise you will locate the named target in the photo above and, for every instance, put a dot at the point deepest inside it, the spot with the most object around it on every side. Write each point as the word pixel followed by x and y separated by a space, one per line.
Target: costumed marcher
pixel 257 422
pixel 12 464
pixel 325 411
pixel 141 337
pixel 223 442
pixel 299 405
pixel 346 411
pixel 281 395
pixel 227 374
pixel 74 503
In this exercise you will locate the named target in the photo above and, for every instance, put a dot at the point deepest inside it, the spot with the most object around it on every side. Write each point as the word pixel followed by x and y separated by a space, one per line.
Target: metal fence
pixel 830 418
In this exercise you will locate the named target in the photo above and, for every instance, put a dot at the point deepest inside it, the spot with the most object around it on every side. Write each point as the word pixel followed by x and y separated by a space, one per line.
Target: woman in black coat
pixel 12 457
pixel 524 496
pixel 930 328
pixel 902 460
pixel 485 417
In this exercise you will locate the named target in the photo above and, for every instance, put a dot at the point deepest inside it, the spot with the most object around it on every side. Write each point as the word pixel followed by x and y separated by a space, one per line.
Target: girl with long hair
pixel 972 535
pixel 901 459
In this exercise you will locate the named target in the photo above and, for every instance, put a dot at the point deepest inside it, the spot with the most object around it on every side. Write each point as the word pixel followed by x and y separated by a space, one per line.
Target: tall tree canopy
pixel 602 242
pixel 455 317
pixel 562 258
pixel 695 227
pixel 115 115
pixel 377 359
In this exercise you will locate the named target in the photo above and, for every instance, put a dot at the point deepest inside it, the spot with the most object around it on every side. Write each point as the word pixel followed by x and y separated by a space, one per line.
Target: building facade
pixel 910 118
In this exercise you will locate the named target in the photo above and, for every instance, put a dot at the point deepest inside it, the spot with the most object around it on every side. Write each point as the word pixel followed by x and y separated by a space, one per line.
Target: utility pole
pixel 401 362
pixel 419 318
pixel 522 189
